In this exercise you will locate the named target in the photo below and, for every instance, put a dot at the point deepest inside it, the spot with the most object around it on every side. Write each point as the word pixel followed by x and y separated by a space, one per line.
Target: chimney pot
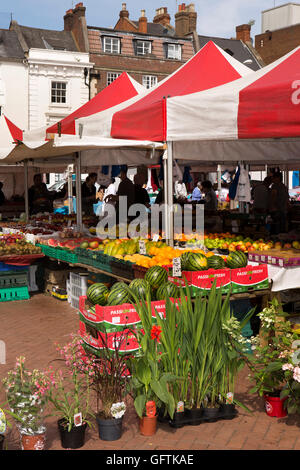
pixel 79 5
pixel 69 12
pixel 162 16
pixel 243 32
pixel 123 6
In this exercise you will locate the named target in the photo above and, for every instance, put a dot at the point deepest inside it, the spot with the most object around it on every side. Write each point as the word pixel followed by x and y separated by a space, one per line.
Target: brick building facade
pixel 272 45
pixel 148 51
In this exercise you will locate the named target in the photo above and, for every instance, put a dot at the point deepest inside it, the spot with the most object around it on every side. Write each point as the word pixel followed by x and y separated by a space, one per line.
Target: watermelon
pixel 140 288
pixel 184 258
pixel 196 262
pixel 168 289
pixel 236 259
pixel 156 276
pixel 118 285
pixel 119 295
pixel 97 293
pixel 215 262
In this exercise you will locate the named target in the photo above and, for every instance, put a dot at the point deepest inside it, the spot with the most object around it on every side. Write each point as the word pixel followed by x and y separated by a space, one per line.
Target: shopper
pixel 88 194
pixel 261 196
pixel 39 198
pixel 125 189
pixel 180 192
pixel 196 194
pixel 110 191
pixel 279 204
pixel 209 200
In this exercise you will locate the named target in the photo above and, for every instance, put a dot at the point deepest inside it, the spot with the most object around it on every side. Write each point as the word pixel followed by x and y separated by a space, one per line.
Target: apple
pixel 93 245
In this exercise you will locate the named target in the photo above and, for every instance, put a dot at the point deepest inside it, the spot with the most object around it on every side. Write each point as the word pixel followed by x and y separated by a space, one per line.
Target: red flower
pixel 156 332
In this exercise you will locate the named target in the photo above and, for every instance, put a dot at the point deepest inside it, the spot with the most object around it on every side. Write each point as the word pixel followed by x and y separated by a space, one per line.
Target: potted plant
pixel 291 390
pixel 272 352
pixel 27 396
pixel 70 396
pixel 150 384
pixel 3 426
pixel 108 377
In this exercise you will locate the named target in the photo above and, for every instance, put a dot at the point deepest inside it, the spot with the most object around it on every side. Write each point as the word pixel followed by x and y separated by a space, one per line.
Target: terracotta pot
pixel 36 442
pixel 148 425
pixel 274 406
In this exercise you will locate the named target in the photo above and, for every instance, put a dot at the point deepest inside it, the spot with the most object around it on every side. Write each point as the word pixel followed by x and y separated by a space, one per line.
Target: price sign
pixel 156 237
pixel 142 247
pixel 176 267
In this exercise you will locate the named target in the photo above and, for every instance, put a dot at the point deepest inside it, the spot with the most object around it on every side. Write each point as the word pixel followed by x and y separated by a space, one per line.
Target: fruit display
pixel 236 259
pixel 167 290
pixel 196 262
pixel 140 288
pixel 119 295
pixel 97 293
pixel 16 244
pixel 156 275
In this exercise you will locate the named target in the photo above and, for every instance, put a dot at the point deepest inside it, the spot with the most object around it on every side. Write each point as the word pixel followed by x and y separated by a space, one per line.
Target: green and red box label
pixel 254 277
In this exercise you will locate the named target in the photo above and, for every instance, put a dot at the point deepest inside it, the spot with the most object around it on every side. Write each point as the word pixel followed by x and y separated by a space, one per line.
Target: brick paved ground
pixel 31 327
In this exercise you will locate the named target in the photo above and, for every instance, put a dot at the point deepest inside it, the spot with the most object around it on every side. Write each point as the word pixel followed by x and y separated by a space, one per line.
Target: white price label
pixel 78 419
pixel 176 267
pixel 156 237
pixel 142 247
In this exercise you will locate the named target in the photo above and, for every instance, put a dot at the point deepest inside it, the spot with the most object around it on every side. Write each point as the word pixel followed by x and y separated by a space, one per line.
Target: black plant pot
pixel 194 416
pixel 1 441
pixel 161 417
pixel 109 429
pixel 179 419
pixel 228 411
pixel 211 415
pixel 73 439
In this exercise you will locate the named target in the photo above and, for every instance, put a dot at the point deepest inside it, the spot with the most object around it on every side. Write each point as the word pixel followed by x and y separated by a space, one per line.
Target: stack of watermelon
pixel 156 283
pixel 199 262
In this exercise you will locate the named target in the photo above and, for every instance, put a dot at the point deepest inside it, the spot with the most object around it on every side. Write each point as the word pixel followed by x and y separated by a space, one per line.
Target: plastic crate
pixel 139 271
pixel 79 280
pixel 15 293
pixel 68 288
pixel 77 291
pixel 122 268
pixel 13 279
pixel 74 301
pixel 50 251
pixel 67 256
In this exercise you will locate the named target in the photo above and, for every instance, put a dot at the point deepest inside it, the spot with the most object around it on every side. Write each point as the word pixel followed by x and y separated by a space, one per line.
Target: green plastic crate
pixel 67 256
pixel 13 279
pixel 15 293
pixel 50 251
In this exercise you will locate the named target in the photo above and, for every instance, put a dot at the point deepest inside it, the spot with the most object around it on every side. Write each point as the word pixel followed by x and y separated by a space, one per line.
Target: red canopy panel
pixel 270 106
pixel 16 132
pixel 118 91
pixel 146 118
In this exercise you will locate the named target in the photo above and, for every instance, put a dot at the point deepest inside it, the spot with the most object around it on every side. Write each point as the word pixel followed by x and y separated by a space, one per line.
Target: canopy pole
pixel 26 190
pixel 166 217
pixel 70 189
pixel 170 194
pixel 78 192
pixel 219 177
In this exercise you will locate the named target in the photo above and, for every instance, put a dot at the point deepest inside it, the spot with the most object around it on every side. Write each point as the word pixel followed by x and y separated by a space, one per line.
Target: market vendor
pixel 209 200
pixel 279 204
pixel 88 194
pixel 261 196
pixel 39 198
pixel 125 189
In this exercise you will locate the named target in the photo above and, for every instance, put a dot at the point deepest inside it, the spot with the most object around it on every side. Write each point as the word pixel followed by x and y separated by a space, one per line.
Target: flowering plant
pixel 70 390
pixel 27 394
pixel 108 373
pixel 118 409
pixel 274 349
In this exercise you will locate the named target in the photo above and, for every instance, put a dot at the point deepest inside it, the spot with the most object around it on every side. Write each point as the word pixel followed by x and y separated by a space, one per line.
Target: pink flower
pixel 287 367
pixel 296 374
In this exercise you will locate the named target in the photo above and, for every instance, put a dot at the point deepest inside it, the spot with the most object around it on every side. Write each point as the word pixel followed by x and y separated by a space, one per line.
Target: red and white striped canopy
pixel 9 135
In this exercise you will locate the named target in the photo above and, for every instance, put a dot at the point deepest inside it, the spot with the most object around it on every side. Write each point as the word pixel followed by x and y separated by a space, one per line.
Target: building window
pixel 174 51
pixel 143 47
pixel 58 92
pixel 262 43
pixel 111 76
pixel 149 81
pixel 111 45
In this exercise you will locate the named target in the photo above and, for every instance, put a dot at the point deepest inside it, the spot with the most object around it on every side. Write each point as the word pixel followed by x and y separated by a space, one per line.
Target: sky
pixel 215 17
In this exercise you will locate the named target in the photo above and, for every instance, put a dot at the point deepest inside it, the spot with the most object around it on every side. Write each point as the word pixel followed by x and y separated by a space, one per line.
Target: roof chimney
pixel 243 32
pixel 124 12
pixel 68 20
pixel 143 22
pixel 162 16
pixel 185 19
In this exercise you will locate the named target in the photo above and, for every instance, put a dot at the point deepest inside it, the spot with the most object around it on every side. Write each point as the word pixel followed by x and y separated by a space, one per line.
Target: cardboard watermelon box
pixel 250 278
pixel 203 280
pixel 124 341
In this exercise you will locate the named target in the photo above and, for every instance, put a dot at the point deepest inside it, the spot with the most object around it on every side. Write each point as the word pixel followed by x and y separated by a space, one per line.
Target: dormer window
pixel 143 47
pixel 111 45
pixel 174 51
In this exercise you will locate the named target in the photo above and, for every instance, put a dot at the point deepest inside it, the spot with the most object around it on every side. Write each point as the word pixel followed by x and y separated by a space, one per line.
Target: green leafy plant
pixel 27 395
pixel 70 390
pixel 149 380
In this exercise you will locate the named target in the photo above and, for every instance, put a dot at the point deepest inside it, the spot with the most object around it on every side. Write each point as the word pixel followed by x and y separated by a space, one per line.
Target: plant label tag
pixel 78 419
pixel 156 237
pixel 2 422
pixel 142 247
pixel 229 398
pixel 176 267
pixel 180 407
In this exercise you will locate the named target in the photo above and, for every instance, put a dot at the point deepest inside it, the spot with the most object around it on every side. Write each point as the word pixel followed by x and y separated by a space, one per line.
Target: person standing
pixel 261 197
pixel 279 204
pixel 110 191
pixel 209 200
pixel 39 198
pixel 88 194
pixel 180 192
pixel 125 189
